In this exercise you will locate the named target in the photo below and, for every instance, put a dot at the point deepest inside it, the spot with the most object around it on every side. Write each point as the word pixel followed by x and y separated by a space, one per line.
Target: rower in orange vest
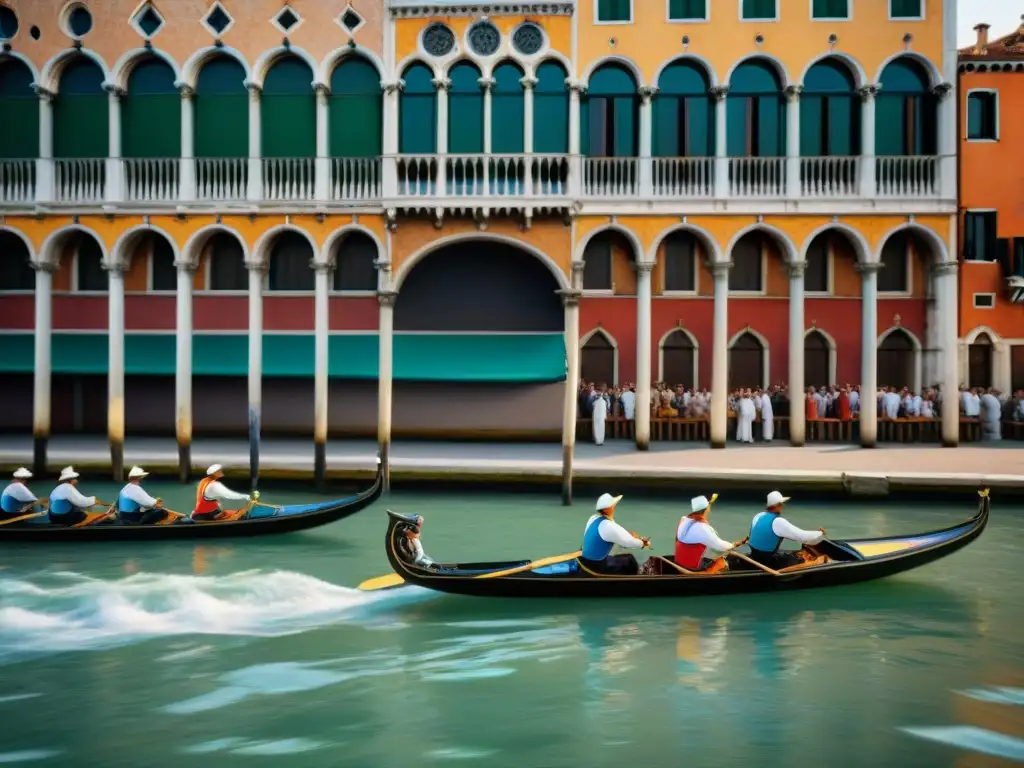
pixel 211 492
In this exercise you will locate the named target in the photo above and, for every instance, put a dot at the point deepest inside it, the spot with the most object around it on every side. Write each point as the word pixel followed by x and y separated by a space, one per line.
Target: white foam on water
pixel 18 697
pixel 997 695
pixel 461 753
pixel 470 674
pixel 69 611
pixel 281 747
pixel 27 755
pixel 973 739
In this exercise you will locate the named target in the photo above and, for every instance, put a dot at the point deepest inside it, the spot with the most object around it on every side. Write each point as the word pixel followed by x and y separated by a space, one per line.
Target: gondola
pixel 254 520
pixel 845 562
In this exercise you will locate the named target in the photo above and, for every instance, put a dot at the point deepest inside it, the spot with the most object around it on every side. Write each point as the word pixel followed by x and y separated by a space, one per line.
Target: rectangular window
pixel 600 134
pixel 687 10
pixel 984 300
pixel 981 116
pixel 679 262
pixel 759 10
pixel 980 236
pixel 611 11
pixel 830 9
pixel 163 272
pixel 906 9
pixel 597 266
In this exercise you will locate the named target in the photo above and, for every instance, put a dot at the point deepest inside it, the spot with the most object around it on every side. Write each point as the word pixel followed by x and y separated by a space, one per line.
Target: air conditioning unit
pixel 1015 272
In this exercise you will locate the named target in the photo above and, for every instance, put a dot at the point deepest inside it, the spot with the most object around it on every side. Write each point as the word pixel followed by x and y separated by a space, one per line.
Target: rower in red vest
pixel 211 492
pixel 694 537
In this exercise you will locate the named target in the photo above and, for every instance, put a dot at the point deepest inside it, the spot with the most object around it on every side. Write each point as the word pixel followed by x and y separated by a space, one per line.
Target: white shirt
pixel 854 401
pixel 220 492
pixel 782 527
pixel 139 496
pixel 691 531
pixel 628 404
pixel 20 492
pixel 421 556
pixel 927 410
pixel 614 533
pixel 600 409
pixel 69 492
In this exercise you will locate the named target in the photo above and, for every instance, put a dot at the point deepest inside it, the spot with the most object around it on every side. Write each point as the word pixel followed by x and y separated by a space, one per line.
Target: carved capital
pixel 43 93
pixel 945 268
pixel 869 268
pixel 383 265
pixel 256 266
pixel 186 266
pixel 869 91
pixel 115 90
pixel 486 82
pixel 942 90
pixel 441 83
pixel 43 266
pixel 115 268
pixel 570 298
pixel 391 219
pixel 392 86
pixel 387 298
pixel 793 92
pixel 254 90
pixel 578 267
pixel 719 92
pixel 575 86
pixel 719 268
pixel 186 91
pixel 644 268
pixel 528 83
pixel 322 90
pixel 647 92
pixel 320 266
pixel 796 268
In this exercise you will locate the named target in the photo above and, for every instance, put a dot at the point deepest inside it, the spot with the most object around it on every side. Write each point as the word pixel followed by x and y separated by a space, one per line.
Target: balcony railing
pixel 491 179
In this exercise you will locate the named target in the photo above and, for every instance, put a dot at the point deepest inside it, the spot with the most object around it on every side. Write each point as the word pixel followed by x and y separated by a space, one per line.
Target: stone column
pixel 385 375
pixel 797 412
pixel 442 85
pixel 45 191
pixel 187 171
pixel 868 161
pixel 389 180
pixel 487 86
pixel 114 166
pixel 576 91
pixel 322 164
pixel 793 185
pixel 43 368
pixel 869 355
pixel 528 83
pixel 254 190
pixel 720 356
pixel 320 375
pixel 946 298
pixel 257 274
pixel 571 302
pixel 946 140
pixel 643 355
pixel 719 94
pixel 115 368
pixel 647 92
pixel 183 369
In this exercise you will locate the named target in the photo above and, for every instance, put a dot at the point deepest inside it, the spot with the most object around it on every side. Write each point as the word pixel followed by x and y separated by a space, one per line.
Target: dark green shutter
pixel 666 127
pixel 830 9
pixel 613 10
pixel 905 111
pixel 418 112
pixel 288 110
pixel 687 9
pixel 19 126
pixel 507 116
pixel 736 130
pixel 355 110
pixel 683 115
pixel 812 111
pixel 975 112
pixel 81 112
pixel 465 111
pixel 905 9
pixel 759 9
pixel 151 112
pixel 551 110
pixel 611 108
pixel 221 110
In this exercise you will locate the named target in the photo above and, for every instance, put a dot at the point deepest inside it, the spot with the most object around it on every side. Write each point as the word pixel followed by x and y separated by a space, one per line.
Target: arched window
pixel 465 110
pixel 679 252
pixel 163 273
pixel 551 110
pixel 81 112
pixel 418 112
pixel 355 112
pixel 507 115
pixel 288 110
pixel 746 362
pixel 221 112
pixel 755 112
pixel 599 260
pixel 906 112
pixel 227 263
pixel 829 111
pixel 979 356
pixel 896 360
pixel 610 113
pixel 151 112
pixel 354 267
pixel 817 360
pixel 816 274
pixel 684 124
pixel 89 272
pixel 678 358
pixel 894 276
pixel 747 273
pixel 19 129
pixel 597 359
pixel 15 264
pixel 291 263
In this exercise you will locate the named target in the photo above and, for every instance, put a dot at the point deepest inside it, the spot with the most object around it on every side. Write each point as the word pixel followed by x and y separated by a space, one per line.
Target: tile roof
pixel 1008 47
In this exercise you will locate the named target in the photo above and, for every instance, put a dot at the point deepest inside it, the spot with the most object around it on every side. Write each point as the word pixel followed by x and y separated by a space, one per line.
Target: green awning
pixel 492 358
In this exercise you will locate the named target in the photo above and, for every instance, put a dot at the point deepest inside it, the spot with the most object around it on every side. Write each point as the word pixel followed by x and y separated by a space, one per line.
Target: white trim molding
pixel 994 92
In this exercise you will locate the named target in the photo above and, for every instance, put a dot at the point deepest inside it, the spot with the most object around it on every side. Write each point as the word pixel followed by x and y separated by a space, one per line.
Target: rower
pixel 415 546
pixel 134 505
pixel 694 537
pixel 769 529
pixel 67 505
pixel 602 533
pixel 211 492
pixel 17 499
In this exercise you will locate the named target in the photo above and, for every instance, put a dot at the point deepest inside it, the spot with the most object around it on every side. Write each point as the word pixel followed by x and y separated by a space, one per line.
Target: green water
pixel 261 652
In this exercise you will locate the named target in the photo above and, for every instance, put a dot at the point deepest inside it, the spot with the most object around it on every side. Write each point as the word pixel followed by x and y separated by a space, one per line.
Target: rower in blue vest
pixel 17 499
pixel 769 529
pixel 67 505
pixel 602 533
pixel 134 505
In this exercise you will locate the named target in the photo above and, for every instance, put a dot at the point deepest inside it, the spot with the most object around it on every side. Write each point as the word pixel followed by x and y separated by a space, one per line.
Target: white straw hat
pixel 68 473
pixel 137 472
pixel 606 501
pixel 213 470
pixel 22 474
pixel 775 498
pixel 699 503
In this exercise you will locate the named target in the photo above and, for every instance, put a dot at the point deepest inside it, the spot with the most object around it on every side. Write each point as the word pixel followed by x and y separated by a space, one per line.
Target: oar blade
pixel 530 566
pixel 390 581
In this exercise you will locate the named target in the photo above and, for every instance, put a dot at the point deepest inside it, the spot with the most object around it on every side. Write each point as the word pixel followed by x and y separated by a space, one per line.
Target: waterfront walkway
pixel 847 468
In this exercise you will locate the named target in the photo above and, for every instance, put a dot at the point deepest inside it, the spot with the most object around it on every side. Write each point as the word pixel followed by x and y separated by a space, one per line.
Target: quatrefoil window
pixel 438 40
pixel 528 39
pixel 484 38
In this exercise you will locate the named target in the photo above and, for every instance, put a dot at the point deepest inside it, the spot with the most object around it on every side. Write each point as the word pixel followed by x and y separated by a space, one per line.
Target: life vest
pixel 594 547
pixel 59 503
pixel 687 555
pixel 205 506
pixel 9 504
pixel 762 537
pixel 126 505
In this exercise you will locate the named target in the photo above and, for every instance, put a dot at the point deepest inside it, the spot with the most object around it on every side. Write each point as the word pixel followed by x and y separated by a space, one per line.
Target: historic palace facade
pixel 386 216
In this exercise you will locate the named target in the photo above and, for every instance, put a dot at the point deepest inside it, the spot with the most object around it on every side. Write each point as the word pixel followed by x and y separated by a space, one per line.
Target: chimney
pixel 981 46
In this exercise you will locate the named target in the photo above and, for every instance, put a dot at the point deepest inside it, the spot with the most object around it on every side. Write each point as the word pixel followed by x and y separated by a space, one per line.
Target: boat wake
pixel 69 611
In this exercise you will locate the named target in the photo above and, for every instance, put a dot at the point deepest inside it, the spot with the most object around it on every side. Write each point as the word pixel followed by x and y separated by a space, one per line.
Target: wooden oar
pixel 530 566
pixel 677 567
pixel 29 516
pixel 382 582
pixel 752 561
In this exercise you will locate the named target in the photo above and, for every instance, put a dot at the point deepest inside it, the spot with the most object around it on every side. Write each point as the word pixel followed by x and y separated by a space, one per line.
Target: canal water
pixel 262 652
